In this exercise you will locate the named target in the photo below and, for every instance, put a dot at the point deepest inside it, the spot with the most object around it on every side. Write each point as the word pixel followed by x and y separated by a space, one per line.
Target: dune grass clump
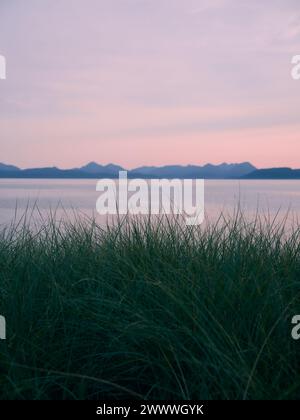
pixel 150 310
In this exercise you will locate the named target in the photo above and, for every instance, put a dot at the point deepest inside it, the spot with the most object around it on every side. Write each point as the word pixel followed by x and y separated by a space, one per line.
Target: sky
pixel 149 82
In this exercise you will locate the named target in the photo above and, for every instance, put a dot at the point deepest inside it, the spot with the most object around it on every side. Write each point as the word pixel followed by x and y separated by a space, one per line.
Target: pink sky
pixel 146 82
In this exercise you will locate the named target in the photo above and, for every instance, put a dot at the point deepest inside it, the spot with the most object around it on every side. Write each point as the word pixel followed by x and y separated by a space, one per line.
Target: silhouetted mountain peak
pixel 209 171
pixel 95 168
pixel 4 167
pixel 244 170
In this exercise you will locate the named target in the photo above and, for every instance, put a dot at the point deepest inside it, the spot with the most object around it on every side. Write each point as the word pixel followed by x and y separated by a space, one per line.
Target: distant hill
pixel 4 167
pixel 225 170
pixel 55 173
pixel 94 170
pixel 274 173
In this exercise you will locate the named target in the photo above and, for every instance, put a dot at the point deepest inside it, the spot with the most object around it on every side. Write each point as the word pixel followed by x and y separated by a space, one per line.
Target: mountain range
pixel 92 170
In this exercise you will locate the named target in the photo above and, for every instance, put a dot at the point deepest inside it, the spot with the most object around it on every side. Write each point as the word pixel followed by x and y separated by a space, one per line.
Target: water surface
pixel 66 197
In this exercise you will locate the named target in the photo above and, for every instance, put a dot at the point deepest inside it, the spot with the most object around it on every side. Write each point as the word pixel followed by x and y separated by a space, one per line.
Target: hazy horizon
pixel 82 164
pixel 141 82
pixel 95 161
pixel 92 161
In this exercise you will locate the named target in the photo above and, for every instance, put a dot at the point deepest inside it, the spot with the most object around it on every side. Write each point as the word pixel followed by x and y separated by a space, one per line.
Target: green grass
pixel 149 310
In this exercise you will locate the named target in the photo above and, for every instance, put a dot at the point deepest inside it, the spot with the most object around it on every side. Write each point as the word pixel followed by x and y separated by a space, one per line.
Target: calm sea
pixel 69 197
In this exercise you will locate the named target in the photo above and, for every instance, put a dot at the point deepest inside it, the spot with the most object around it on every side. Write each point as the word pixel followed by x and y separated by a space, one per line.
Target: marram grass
pixel 149 310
